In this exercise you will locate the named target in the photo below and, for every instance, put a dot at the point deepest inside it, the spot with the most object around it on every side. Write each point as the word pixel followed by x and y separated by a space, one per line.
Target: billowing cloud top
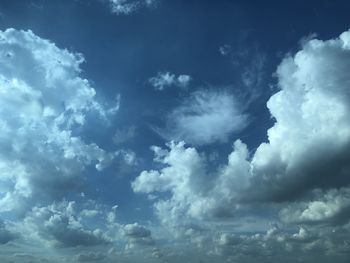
pixel 42 100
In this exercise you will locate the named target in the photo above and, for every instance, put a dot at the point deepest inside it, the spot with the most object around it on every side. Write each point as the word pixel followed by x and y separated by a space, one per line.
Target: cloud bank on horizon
pixel 78 184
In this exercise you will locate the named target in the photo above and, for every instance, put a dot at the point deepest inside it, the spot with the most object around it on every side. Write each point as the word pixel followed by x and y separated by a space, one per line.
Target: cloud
pixel 42 100
pixel 249 65
pixel 303 245
pixel 137 235
pixel 304 167
pixel 207 116
pixel 62 225
pixel 165 80
pixel 124 135
pixel 309 143
pixel 90 256
pixel 127 7
pixel 225 49
pixel 6 235
pixel 332 207
pixel 195 193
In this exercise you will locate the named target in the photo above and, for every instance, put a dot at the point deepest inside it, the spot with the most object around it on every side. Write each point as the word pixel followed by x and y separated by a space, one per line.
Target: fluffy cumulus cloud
pixel 196 193
pixel 126 7
pixel 308 146
pixel 304 166
pixel 205 117
pixel 42 100
pixel 165 80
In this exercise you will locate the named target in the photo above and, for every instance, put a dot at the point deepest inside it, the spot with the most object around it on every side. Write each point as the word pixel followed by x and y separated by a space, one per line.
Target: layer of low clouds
pixel 164 80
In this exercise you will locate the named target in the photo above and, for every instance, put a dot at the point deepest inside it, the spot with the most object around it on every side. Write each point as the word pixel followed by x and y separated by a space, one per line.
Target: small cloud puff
pixel 127 7
pixel 165 80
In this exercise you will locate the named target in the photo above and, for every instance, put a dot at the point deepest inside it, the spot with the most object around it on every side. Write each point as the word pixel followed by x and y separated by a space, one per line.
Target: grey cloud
pixel 6 235
pixel 331 207
pixel 61 225
pixel 303 245
pixel 90 256
pixel 137 235
pixel 136 230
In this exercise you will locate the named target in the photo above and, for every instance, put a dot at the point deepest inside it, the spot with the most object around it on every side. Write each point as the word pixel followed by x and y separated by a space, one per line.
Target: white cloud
pixel 165 80
pixel 309 143
pixel 126 7
pixel 307 149
pixel 195 193
pixel 42 100
pixel 205 117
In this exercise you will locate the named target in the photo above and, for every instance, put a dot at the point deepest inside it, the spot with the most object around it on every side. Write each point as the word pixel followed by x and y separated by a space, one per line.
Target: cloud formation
pixel 165 80
pixel 127 7
pixel 196 193
pixel 6 235
pixel 303 164
pixel 137 235
pixel 205 117
pixel 308 145
pixel 62 225
pixel 42 101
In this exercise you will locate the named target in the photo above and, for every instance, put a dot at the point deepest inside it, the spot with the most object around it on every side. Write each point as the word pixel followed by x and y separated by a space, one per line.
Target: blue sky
pixel 167 131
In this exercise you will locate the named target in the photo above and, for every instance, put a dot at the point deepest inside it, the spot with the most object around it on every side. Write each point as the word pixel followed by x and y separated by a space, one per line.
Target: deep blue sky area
pixel 194 71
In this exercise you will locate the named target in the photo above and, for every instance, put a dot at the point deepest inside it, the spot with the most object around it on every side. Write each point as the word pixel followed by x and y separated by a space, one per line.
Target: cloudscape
pixel 174 131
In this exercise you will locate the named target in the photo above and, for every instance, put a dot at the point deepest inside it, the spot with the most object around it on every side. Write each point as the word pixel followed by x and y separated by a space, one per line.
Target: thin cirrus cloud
pixel 312 116
pixel 205 117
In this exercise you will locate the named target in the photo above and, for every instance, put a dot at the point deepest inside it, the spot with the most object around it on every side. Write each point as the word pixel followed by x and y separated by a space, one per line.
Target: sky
pixel 174 131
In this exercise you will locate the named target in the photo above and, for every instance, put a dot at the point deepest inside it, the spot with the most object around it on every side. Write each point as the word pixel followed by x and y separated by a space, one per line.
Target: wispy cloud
pixel 165 80
pixel 205 117
pixel 127 7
